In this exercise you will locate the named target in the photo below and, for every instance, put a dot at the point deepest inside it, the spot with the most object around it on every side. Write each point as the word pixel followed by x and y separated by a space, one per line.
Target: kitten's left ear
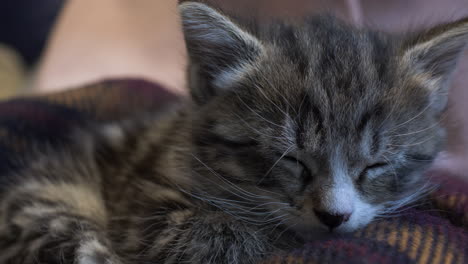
pixel 433 56
pixel 220 51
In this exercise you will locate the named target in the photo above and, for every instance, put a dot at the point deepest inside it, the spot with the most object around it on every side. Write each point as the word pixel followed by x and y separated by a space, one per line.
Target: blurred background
pixel 24 29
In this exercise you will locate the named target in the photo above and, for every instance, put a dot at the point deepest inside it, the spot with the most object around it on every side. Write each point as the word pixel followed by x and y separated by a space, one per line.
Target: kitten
pixel 293 128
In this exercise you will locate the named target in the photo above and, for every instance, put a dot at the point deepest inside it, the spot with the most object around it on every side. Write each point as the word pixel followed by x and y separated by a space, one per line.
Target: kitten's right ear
pixel 220 51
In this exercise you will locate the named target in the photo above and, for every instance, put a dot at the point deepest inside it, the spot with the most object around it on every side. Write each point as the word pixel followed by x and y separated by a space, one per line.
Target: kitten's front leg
pixel 79 243
pixel 53 223
pixel 212 238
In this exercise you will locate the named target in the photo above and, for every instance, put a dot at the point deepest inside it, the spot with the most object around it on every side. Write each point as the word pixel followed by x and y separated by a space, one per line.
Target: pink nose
pixel 332 220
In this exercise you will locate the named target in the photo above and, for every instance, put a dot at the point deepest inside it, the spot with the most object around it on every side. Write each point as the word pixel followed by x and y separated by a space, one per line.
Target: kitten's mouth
pixel 310 228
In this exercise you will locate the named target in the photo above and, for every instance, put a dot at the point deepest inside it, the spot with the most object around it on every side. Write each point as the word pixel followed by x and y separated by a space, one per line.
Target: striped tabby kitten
pixel 293 130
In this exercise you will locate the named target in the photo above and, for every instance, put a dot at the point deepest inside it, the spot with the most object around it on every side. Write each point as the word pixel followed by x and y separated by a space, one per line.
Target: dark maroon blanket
pixel 435 232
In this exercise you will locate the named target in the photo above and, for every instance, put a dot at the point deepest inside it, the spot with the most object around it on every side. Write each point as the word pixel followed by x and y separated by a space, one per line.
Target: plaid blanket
pixel 431 233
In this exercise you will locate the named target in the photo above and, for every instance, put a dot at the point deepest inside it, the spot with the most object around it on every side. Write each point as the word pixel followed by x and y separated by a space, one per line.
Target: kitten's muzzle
pixel 332 220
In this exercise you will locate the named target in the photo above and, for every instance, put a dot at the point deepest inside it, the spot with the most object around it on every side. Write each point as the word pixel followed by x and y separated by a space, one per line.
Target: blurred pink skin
pixel 102 39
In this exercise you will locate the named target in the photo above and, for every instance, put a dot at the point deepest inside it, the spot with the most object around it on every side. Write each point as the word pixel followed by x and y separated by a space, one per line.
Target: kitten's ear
pixel 433 55
pixel 220 51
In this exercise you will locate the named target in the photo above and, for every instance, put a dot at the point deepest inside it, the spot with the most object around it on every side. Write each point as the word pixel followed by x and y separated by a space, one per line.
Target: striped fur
pixel 286 120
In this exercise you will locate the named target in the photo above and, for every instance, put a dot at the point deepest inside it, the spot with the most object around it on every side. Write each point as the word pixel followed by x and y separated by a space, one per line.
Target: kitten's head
pixel 322 125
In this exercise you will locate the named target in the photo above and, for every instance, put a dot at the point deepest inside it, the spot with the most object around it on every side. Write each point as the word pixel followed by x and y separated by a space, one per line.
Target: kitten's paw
pixel 51 249
pixel 94 252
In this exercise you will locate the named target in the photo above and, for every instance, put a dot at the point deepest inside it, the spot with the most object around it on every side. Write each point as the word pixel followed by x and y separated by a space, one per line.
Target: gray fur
pixel 291 123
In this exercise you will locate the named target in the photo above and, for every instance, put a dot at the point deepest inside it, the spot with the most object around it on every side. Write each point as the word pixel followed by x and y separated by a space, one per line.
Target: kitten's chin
pixel 312 229
pixel 320 233
pixel 309 229
pixel 308 234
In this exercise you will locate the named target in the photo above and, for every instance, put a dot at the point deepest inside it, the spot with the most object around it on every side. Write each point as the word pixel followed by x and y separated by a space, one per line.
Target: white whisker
pixel 412 144
pixel 274 165
pixel 249 194
pixel 256 130
pixel 268 99
pixel 257 114
pixel 413 118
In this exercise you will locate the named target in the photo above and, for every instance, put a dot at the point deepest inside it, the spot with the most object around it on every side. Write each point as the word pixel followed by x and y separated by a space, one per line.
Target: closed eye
pixel 303 172
pixel 292 159
pixel 377 166
pixel 371 168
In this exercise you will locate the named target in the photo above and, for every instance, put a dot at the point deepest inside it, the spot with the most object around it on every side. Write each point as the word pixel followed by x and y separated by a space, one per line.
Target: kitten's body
pixel 300 127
